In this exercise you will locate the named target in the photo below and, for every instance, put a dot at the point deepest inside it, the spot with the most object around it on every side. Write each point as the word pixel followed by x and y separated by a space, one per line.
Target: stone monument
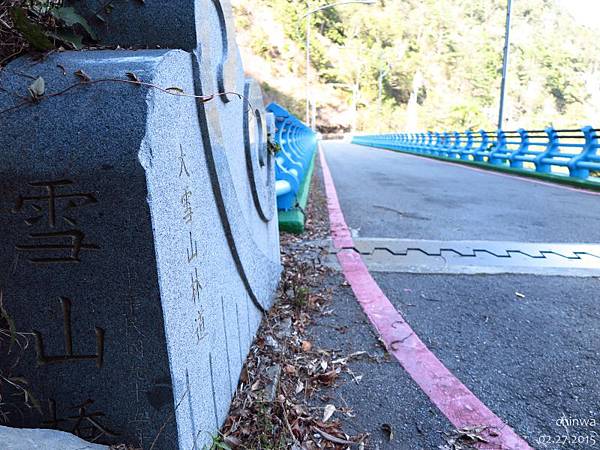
pixel 139 239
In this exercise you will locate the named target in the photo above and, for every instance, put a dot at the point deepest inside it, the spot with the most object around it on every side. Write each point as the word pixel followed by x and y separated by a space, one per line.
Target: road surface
pixel 497 275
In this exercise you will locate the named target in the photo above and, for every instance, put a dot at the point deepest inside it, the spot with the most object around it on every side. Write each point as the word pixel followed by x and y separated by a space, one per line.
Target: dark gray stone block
pixel 139 243
pixel 204 26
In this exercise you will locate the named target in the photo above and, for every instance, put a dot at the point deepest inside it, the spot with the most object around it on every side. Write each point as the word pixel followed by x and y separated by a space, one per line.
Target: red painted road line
pixel 453 399
pixel 499 174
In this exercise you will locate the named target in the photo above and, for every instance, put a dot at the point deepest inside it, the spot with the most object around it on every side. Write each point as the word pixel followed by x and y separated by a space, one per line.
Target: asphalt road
pixel 528 346
pixel 386 194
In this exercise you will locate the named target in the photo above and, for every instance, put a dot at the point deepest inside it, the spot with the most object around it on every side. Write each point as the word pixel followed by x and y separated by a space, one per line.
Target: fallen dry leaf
pixel 465 438
pixel 329 410
pixel 83 76
pixel 333 438
pixel 289 369
pixel 327 378
pixel 37 89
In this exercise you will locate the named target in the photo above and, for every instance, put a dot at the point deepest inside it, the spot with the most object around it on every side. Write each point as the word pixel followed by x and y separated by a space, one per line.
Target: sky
pixel 586 12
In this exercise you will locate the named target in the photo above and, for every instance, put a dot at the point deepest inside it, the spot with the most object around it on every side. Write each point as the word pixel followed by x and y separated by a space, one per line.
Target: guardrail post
pixel 437 143
pixel 523 149
pixel 466 151
pixel 500 147
pixel 443 148
pixel 286 199
pixel 589 148
pixel 413 141
pixel 480 153
pixel 541 165
pixel 428 142
pixel 455 147
pixel 422 141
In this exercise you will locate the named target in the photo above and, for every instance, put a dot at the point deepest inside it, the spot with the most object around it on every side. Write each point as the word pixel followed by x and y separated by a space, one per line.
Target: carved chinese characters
pixel 54 235
pixel 81 422
pixel 52 210
pixel 69 356
pixel 191 256
pixel 138 240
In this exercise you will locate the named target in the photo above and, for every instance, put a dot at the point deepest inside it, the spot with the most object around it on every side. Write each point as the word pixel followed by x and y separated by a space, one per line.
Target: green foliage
pixel 69 17
pixel 260 44
pixel 31 31
pixel 218 444
pixel 456 47
pixel 40 25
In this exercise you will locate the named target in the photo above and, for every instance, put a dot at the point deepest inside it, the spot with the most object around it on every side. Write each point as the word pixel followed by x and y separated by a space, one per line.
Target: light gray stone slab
pixel 41 439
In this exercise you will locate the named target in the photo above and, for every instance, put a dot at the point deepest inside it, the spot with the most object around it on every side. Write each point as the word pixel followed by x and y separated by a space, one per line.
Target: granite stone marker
pixel 139 240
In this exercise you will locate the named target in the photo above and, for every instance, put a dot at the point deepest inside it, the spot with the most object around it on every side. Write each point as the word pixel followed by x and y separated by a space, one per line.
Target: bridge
pixel 148 299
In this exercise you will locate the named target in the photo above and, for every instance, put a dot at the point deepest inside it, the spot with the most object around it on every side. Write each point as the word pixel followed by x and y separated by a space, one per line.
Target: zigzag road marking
pixel 400 255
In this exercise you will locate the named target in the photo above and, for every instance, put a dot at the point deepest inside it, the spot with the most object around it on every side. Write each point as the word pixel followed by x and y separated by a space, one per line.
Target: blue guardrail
pixel 570 154
pixel 297 144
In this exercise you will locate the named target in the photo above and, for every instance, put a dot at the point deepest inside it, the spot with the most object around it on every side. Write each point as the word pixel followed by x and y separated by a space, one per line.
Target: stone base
pixel 139 247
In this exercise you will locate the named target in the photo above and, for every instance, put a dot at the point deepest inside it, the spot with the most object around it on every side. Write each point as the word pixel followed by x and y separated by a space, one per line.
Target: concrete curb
pixel 292 221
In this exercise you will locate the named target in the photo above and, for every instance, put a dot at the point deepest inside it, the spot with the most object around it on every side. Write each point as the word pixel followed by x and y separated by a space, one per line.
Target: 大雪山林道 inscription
pixel 192 247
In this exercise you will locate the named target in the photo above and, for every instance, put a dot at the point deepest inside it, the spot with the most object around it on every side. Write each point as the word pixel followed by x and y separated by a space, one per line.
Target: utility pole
pixel 505 65
pixel 308 93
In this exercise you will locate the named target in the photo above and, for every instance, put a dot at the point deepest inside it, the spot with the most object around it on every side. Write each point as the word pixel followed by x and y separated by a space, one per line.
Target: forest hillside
pixel 438 63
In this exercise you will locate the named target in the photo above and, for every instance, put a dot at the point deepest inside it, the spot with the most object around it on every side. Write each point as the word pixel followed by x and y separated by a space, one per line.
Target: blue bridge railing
pixel 568 153
pixel 296 144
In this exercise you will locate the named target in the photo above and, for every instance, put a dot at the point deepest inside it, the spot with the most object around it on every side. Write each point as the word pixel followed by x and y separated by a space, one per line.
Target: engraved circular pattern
pixel 228 62
pixel 261 147
pixel 259 161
